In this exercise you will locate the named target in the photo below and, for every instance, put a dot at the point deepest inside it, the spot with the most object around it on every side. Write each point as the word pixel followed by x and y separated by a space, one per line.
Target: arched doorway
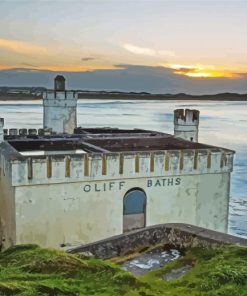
pixel 134 209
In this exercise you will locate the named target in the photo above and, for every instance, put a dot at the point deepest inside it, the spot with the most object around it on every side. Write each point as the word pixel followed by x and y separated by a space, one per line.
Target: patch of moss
pixel 29 270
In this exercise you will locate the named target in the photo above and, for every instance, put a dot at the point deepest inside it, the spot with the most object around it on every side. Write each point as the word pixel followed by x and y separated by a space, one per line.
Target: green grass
pixel 215 272
pixel 29 270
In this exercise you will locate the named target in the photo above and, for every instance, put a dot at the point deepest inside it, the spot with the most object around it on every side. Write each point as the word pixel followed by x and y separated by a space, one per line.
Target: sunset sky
pixel 193 38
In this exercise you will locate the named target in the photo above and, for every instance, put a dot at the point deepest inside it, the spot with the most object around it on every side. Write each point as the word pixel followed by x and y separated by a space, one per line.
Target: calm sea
pixel 221 124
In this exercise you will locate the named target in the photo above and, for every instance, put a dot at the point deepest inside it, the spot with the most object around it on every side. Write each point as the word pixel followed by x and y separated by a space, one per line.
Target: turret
pixel 1 130
pixel 186 124
pixel 59 112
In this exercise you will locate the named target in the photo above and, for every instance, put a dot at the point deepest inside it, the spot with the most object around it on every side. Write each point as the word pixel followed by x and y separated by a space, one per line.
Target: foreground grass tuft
pixel 29 270
pixel 215 272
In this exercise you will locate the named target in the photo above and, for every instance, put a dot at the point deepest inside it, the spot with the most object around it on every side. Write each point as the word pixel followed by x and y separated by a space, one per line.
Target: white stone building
pixel 74 187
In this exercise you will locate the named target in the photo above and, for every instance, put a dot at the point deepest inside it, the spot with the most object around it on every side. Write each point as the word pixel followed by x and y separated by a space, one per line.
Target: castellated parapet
pixel 27 132
pixel 114 166
pixel 186 123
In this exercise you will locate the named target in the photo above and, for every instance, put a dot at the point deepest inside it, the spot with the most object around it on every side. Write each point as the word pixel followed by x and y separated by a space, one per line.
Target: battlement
pixel 186 117
pixel 56 96
pixel 186 124
pixel 44 169
pixel 27 132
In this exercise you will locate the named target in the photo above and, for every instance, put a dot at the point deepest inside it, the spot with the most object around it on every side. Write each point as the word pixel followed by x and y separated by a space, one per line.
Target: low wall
pixel 182 236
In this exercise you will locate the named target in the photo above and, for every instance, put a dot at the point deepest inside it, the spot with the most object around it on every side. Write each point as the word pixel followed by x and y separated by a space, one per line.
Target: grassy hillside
pixel 29 270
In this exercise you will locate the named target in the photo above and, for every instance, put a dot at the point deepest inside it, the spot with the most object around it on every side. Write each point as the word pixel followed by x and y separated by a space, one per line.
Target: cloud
pixel 185 68
pixel 73 67
pixel 86 59
pixel 148 51
pixel 64 67
pixel 22 47
pixel 29 65
pixel 136 78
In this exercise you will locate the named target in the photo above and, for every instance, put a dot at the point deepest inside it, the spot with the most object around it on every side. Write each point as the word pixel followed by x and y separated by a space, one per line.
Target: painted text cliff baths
pixel 65 185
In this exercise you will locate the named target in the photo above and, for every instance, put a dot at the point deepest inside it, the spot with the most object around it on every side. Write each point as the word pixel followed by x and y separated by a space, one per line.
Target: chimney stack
pixel 59 83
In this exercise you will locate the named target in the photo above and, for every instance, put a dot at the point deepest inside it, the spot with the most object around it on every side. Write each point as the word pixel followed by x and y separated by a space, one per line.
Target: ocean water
pixel 221 123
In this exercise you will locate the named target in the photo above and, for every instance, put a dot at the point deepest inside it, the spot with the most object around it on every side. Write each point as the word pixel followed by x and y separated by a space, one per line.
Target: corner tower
pixel 60 108
pixel 186 123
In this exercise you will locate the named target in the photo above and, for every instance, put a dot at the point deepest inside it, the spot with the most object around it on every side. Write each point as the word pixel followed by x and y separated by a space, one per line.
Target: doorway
pixel 134 209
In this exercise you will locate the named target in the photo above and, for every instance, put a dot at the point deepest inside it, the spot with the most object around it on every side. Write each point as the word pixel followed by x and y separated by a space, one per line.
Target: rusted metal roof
pixel 104 140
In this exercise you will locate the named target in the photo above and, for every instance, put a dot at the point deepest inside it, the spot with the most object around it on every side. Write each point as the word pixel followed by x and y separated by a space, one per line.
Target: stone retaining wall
pixel 181 236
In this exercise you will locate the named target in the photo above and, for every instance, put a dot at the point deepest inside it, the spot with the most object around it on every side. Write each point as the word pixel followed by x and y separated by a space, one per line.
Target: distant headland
pixel 35 93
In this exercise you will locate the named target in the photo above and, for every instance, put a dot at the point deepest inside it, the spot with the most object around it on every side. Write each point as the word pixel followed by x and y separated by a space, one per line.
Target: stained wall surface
pixel 82 212
pixel 7 207
pixel 60 200
pixel 60 111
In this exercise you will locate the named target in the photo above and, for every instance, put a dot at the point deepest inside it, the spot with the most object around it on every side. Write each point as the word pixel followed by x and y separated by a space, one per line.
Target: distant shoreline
pixel 162 97
pixel 133 96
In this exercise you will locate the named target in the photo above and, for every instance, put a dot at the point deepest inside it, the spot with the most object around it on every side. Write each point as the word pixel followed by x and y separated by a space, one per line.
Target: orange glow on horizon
pixel 208 74
pixel 5 67
pixel 202 71
pixel 63 68
pixel 192 71
pixel 74 68
pixel 22 47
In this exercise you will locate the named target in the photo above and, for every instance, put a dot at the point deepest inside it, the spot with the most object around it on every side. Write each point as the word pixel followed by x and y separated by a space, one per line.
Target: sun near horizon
pixel 193 39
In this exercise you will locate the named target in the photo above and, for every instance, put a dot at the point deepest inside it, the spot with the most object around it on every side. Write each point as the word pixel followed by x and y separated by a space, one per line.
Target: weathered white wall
pixel 79 198
pixel 7 206
pixel 1 129
pixel 60 111
pixel 56 214
pixel 186 124
pixel 186 133
pixel 212 205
